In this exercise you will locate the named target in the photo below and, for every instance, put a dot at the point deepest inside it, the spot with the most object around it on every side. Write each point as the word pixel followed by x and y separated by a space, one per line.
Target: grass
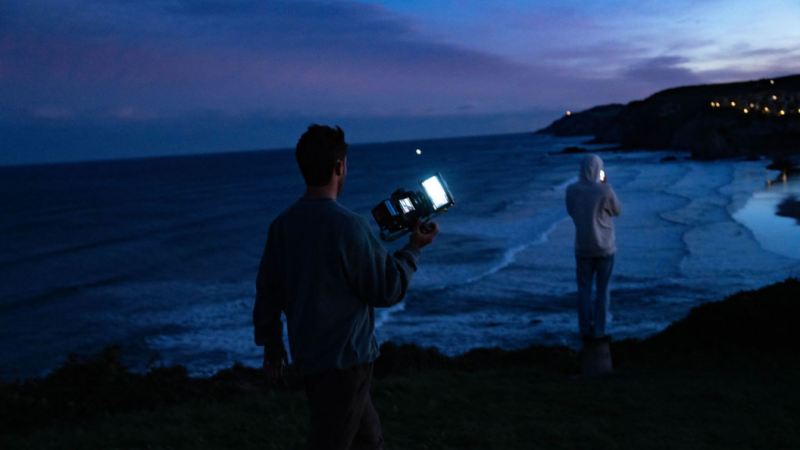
pixel 707 382
pixel 519 408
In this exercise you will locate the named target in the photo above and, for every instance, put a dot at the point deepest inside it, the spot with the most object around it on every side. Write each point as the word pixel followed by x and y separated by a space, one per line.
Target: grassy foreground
pixel 727 376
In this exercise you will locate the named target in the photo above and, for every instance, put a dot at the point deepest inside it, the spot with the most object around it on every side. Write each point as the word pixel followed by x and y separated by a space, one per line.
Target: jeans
pixel 592 312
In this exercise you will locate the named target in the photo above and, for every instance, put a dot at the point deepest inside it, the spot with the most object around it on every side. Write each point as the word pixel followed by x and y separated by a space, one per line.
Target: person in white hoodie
pixel 592 204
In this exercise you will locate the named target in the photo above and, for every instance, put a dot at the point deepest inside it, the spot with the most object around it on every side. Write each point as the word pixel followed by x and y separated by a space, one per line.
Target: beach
pixel 159 255
pixel 180 181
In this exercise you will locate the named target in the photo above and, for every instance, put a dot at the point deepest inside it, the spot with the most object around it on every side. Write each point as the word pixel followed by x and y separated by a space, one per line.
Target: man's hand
pixel 273 368
pixel 423 234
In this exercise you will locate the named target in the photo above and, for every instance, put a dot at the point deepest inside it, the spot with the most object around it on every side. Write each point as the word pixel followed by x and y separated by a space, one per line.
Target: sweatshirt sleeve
pixel 380 279
pixel 269 301
pixel 613 205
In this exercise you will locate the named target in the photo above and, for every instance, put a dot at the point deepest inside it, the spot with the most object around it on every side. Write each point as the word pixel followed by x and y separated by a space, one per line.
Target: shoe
pixel 595 356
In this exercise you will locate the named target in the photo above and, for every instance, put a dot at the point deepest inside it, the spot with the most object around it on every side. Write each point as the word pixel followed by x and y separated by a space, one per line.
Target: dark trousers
pixel 342 415
pixel 593 310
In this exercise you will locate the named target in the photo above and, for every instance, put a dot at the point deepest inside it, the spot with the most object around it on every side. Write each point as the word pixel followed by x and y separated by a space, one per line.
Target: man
pixel 325 270
pixel 592 203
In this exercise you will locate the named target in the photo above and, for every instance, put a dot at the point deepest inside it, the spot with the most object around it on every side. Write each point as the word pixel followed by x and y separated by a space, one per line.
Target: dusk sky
pixel 91 79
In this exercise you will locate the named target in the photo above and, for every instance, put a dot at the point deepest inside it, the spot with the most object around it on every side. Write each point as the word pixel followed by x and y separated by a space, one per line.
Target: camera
pixel 397 215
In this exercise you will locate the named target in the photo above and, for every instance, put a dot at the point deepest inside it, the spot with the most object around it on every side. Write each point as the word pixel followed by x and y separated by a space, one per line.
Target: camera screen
pixel 406 205
pixel 433 187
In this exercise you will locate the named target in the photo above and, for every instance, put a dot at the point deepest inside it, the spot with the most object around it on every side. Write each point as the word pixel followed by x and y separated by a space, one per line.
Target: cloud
pixel 146 67
pixel 766 51
pixel 662 70
pixel 292 55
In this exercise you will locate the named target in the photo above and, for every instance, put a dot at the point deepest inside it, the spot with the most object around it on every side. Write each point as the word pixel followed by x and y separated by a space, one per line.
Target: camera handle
pixel 425 226
pixel 389 236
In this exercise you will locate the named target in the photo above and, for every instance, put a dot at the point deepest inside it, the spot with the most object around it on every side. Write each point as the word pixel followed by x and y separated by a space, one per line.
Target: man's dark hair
pixel 317 152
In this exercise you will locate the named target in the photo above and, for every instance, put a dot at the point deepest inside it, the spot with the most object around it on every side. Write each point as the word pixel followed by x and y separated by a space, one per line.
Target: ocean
pixel 159 255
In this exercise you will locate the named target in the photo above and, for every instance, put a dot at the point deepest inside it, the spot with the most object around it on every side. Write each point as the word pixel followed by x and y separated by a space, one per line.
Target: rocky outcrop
pixel 712 121
pixel 585 123
pixel 790 207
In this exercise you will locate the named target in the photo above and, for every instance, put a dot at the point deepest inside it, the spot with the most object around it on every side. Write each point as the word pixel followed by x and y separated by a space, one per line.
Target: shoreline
pixel 397 357
pixel 691 374
pixel 117 352
pixel 207 367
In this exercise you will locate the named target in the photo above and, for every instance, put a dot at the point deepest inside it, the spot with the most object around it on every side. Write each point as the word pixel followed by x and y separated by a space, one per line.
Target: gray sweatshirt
pixel 324 268
pixel 592 204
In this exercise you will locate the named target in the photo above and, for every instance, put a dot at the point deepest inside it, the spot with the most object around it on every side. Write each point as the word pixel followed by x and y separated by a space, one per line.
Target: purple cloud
pixel 144 64
pixel 285 58
pixel 662 70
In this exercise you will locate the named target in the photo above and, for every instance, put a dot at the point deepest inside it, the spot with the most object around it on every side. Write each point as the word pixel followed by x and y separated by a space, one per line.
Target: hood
pixel 590 168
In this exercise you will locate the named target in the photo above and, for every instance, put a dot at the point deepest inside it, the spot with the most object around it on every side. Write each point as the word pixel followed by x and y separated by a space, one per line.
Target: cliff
pixel 726 376
pixel 591 122
pixel 712 121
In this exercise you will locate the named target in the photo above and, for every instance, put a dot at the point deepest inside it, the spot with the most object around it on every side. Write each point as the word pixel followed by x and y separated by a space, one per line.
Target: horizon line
pixel 234 152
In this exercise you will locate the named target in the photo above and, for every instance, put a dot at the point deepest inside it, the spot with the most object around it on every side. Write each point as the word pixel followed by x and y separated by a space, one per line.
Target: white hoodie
pixel 592 204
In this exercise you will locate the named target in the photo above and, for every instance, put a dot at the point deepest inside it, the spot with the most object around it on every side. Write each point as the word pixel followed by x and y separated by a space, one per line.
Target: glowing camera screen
pixel 406 205
pixel 398 214
pixel 435 191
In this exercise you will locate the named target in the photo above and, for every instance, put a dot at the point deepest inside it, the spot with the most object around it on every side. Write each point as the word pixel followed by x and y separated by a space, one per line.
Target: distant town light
pixel 733 104
pixel 774 97
pixel 713 104
pixel 752 105
pixel 569 113
pixel 766 109
pixel 771 81
pixel 746 110
pixel 782 112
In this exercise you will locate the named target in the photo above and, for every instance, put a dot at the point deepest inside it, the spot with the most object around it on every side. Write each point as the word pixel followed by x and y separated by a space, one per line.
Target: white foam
pixel 509 274
pixel 510 255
